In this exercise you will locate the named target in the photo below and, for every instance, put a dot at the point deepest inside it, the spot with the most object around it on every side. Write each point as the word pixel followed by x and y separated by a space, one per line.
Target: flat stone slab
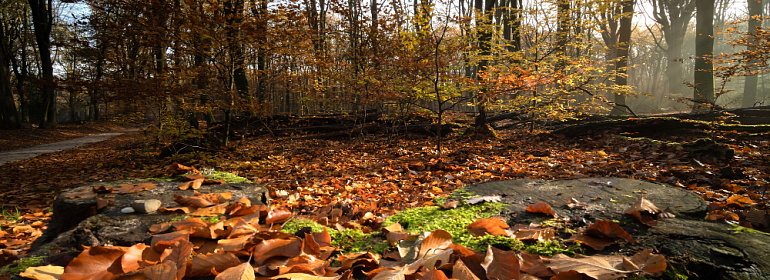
pixel 711 249
pixel 607 198
pixel 80 221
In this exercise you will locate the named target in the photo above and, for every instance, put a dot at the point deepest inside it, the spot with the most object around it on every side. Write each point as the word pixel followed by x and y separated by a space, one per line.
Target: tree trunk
pixel 755 22
pixel 9 117
pixel 621 66
pixel 703 93
pixel 42 19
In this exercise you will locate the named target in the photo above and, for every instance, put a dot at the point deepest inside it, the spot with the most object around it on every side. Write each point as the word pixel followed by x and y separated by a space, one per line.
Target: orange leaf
pixel 493 226
pixel 437 241
pixel 276 247
pixel 243 271
pixel 501 265
pixel 608 229
pixel 130 261
pixel 540 208
pixel 434 274
pixel 134 188
pixel 194 184
pixel 98 262
pixel 176 169
pixel 738 200
pixel 278 215
pixel 203 265
pixel 594 242
pixel 462 272
pixel 540 234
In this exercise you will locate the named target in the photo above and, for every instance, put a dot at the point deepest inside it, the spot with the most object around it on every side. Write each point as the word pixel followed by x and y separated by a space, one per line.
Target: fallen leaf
pixel 461 272
pixel 278 215
pixel 243 271
pixel 540 208
pixel 608 229
pixel 539 234
pixel 202 265
pixel 488 198
pixel 597 243
pixel 276 247
pixel 98 262
pixel 134 188
pixel 176 169
pixel 194 184
pixel 738 201
pixel 48 272
pixel 500 264
pixel 493 226
pixel 646 262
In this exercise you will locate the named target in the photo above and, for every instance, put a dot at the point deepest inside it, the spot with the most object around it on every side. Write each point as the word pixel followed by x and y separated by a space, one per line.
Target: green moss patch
pixel 21 265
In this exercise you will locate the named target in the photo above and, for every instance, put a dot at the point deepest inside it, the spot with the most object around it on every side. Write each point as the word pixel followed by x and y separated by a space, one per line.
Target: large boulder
pixel 81 218
pixel 708 249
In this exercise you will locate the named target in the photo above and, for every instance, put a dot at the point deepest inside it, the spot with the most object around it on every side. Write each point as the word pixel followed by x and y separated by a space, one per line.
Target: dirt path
pixel 31 152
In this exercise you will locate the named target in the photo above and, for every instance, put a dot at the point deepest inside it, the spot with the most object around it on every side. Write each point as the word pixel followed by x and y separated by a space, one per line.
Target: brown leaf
pixel 540 234
pixel 134 188
pixel 176 169
pixel 194 184
pixel 493 226
pixel 437 241
pixel 434 274
pixel 643 217
pixel 276 247
pixel 597 267
pixel 215 210
pixel 232 245
pixel 646 262
pixel 103 202
pixel 738 201
pixel 242 228
pixel 98 262
pixel 243 271
pixel 161 271
pixel 608 229
pixel 533 265
pixel 461 272
pixel 597 243
pixel 323 238
pixel 540 208
pixel 202 265
pixel 278 215
pixel 194 201
pixel 131 259
pixel 501 265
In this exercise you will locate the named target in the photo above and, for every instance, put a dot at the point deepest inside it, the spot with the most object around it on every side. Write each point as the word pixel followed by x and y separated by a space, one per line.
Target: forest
pixel 384 139
pixel 170 60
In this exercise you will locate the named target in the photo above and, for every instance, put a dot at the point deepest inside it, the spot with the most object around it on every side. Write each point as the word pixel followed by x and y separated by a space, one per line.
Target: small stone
pixel 146 206
pixel 127 210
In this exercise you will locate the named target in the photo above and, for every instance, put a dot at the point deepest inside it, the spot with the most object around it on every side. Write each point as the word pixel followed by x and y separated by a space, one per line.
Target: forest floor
pixel 383 175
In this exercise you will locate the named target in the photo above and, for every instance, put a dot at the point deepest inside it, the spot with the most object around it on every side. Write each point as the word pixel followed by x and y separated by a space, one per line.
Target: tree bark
pixel 703 80
pixel 673 17
pixel 621 66
pixel 755 22
pixel 42 21
pixel 9 117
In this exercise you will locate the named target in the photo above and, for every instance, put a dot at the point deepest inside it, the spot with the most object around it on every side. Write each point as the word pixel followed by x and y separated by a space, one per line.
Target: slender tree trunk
pixel 621 66
pixel 9 117
pixel 755 22
pixel 703 93
pixel 42 19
